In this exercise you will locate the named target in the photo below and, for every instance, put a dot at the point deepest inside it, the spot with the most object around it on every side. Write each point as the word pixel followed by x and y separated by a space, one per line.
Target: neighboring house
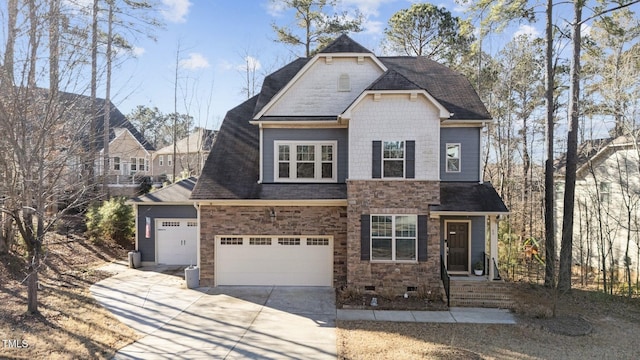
pixel 349 169
pixel 166 225
pixel 607 202
pixel 189 157
pixel 129 153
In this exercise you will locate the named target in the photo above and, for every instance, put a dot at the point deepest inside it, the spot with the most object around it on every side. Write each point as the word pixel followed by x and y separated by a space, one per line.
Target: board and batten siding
pixel 316 92
pixel 272 135
pixel 469 140
pixel 394 117
pixel 147 246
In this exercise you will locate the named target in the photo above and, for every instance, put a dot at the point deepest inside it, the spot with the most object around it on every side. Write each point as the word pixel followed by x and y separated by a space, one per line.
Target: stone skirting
pixel 257 220
pixel 392 197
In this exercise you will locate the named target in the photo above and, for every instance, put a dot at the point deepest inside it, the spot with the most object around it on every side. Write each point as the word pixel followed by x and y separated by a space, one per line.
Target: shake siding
pixel 271 135
pixel 469 140
pixel 316 92
pixel 394 117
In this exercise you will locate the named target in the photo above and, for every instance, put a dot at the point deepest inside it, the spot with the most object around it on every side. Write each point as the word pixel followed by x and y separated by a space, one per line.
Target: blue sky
pixel 214 37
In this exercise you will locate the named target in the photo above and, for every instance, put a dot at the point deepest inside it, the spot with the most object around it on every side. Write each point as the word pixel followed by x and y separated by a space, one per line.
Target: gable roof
pixel 592 150
pixel 174 193
pixel 344 44
pixel 232 169
pixel 81 109
pixel 450 88
pixel 199 140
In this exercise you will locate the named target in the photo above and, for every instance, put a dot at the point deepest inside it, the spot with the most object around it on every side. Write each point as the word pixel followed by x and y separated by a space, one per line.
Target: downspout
pixel 197 206
pixel 261 154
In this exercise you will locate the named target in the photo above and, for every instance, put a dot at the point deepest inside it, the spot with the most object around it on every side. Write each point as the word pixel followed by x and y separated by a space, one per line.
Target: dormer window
pixel 305 161
pixel 344 83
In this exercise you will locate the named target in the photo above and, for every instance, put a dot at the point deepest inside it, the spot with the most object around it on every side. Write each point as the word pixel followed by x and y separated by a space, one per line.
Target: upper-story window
pixel 453 157
pixel 305 161
pixel 393 159
pixel 169 160
pixel 161 160
pixel 605 191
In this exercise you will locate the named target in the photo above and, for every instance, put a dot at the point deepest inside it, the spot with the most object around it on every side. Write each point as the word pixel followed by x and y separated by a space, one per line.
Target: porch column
pixel 493 241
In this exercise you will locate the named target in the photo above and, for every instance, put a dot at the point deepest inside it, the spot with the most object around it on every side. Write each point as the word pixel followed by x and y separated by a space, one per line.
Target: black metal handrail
pixel 446 280
pixel 496 273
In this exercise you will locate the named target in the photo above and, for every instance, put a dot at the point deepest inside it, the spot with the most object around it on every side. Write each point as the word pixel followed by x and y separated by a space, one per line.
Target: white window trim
pixel 161 160
pixel 446 158
pixel 317 162
pixel 404 160
pixel 169 160
pixel 393 239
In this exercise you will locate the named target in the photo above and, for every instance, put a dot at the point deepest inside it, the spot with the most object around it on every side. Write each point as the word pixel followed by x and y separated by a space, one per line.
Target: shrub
pixel 113 219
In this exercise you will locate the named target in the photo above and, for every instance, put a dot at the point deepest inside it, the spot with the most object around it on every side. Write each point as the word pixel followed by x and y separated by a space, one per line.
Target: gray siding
pixel 478 234
pixel 271 135
pixel 469 140
pixel 147 246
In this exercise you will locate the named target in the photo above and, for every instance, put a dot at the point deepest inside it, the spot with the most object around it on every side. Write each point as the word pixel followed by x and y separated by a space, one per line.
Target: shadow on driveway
pixel 223 323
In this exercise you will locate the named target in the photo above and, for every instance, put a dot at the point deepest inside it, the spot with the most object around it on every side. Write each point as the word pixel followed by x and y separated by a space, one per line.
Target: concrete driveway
pixel 219 323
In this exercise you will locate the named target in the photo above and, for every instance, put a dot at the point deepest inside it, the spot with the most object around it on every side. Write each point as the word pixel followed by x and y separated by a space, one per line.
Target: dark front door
pixel 458 243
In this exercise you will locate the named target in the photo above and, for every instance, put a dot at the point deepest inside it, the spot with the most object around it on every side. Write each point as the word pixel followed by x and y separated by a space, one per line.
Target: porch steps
pixel 474 293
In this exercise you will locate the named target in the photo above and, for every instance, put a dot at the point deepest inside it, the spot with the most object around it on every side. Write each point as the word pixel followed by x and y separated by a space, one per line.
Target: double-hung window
pixel 453 157
pixel 393 159
pixel 133 164
pixel 394 237
pixel 305 161
pixel 141 164
pixel 161 160
pixel 116 163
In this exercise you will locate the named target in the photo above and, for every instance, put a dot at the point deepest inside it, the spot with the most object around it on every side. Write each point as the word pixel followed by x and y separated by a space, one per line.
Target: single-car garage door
pixel 274 260
pixel 176 241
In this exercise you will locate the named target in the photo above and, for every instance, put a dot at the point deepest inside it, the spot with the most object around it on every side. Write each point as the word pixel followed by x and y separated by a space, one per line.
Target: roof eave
pixel 443 112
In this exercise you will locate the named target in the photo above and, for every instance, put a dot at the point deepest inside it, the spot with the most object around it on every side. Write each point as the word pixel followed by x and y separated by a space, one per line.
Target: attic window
pixel 344 83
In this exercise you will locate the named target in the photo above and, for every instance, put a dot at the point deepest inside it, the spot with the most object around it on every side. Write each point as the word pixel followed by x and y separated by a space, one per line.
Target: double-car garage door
pixel 274 260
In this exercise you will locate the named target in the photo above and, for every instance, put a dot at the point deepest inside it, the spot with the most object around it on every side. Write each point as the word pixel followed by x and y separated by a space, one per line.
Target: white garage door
pixel 273 260
pixel 176 241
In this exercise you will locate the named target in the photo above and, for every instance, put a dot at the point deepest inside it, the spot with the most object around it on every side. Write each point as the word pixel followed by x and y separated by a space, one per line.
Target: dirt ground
pixel 71 325
pixel 588 325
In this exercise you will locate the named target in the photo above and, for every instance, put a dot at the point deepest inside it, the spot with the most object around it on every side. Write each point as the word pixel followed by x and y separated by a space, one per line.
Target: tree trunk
pixel 549 188
pixel 107 106
pixel 566 250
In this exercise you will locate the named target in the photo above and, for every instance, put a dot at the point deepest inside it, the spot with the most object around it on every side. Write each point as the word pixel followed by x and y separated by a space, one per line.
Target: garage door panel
pixel 270 260
pixel 176 241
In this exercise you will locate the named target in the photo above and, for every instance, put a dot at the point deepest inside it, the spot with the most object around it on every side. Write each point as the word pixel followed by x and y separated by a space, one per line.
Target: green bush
pixel 112 219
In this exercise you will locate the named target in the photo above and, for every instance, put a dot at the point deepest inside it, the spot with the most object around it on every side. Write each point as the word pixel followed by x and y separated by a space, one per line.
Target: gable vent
pixel 344 83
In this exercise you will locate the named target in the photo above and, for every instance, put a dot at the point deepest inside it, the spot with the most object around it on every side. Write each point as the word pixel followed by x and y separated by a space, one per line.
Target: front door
pixel 458 245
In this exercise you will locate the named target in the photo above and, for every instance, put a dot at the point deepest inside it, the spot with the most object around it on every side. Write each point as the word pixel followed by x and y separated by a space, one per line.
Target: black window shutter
pixel 376 164
pixel 422 237
pixel 365 237
pixel 410 159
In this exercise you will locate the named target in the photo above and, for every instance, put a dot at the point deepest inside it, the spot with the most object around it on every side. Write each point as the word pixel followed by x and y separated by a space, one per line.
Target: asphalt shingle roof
pixel 176 193
pixel 469 197
pixel 232 168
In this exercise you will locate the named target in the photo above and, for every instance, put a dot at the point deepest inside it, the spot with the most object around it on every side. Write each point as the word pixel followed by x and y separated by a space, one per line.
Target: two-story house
pixel 349 169
pixel 607 204
pixel 189 152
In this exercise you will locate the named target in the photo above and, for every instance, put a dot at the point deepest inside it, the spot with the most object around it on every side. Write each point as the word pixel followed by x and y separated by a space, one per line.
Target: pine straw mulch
pixel 70 323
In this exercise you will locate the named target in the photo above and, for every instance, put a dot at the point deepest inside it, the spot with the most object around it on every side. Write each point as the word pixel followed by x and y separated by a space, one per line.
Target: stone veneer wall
pixel 256 220
pixel 392 197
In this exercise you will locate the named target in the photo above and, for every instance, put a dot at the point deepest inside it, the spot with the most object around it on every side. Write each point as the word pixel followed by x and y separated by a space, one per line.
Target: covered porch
pixel 468 214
